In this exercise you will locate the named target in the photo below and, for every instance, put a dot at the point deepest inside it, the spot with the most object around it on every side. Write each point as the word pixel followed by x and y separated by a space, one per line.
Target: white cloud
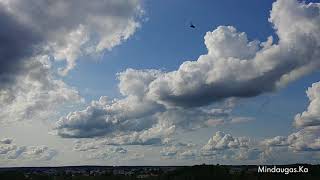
pixel 224 147
pixel 187 155
pixel 222 141
pixel 243 69
pixel 308 137
pixel 300 146
pixel 248 154
pixel 152 136
pixel 135 119
pixel 108 153
pixel 35 94
pixel 10 151
pixel 169 152
pixel 176 150
pixel 136 82
pixel 132 121
pixel 87 146
pixel 310 117
pixel 276 141
pixel 127 118
pixel 133 113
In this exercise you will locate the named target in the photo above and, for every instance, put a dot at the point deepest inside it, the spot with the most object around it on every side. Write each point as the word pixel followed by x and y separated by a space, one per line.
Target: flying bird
pixel 192 26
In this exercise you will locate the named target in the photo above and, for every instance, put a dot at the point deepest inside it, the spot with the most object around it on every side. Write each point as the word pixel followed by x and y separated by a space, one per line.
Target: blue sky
pixel 141 121
pixel 165 41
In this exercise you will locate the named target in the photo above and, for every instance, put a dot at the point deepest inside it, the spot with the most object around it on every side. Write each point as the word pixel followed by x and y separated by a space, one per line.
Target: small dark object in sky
pixel 192 26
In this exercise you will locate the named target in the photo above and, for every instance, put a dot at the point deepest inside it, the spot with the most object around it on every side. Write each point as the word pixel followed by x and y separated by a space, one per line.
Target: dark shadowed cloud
pixel 35 34
pixel 17 43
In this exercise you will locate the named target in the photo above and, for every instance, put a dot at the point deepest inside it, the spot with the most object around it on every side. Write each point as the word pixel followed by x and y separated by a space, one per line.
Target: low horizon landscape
pixel 163 172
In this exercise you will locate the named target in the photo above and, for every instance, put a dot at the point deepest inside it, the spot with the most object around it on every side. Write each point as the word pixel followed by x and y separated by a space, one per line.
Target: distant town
pixel 160 172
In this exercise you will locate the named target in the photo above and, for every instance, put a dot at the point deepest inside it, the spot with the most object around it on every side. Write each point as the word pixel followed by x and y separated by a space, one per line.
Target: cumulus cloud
pixel 35 94
pixel 102 118
pixel 133 113
pixel 176 149
pixel 233 67
pixel 195 118
pixel 155 135
pixel 87 146
pixel 276 141
pixel 10 151
pixel 189 154
pixel 169 152
pixel 36 34
pixel 310 117
pixel 222 146
pixel 248 154
pixel 120 125
pixel 308 137
pixel 286 155
pixel 108 153
pixel 222 141
pixel 135 119
pixel 237 67
pixel 94 149
pixel 66 29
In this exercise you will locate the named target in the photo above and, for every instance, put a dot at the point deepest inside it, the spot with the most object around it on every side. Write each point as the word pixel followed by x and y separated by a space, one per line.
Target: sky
pixel 131 83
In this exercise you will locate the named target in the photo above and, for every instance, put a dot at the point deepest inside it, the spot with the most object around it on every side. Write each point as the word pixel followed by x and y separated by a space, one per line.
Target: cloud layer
pixel 155 104
pixel 184 99
pixel 10 151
